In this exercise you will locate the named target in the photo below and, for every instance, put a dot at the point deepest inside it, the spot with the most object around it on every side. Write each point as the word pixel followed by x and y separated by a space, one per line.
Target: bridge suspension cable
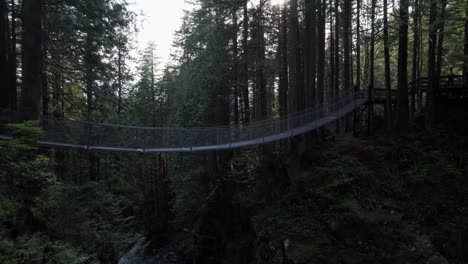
pixel 62 133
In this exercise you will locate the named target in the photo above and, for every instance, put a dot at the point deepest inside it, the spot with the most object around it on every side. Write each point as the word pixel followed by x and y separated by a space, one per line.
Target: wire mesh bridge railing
pixel 64 133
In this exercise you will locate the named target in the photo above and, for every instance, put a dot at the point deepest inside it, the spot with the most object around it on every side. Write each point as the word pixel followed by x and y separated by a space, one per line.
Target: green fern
pixel 27 131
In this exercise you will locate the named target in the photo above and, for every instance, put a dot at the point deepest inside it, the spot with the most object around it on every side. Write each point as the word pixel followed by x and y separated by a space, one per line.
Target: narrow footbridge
pixel 61 133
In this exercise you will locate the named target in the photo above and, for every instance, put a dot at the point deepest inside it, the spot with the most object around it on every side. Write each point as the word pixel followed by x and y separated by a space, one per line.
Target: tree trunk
pixel 260 81
pixel 431 66
pixel 13 94
pixel 45 84
pixel 283 63
pixel 388 81
pixel 293 54
pixel 93 171
pixel 332 58
pixel 347 35
pixel 465 49
pixel 358 64
pixel 416 45
pixel 119 79
pixel 4 53
pixel 310 52
pixel 321 52
pixel 235 51
pixel 31 92
pixel 403 104
pixel 347 45
pixel 88 84
pixel 337 58
pixel 358 44
pixel 245 74
pixel 440 44
pixel 370 112
pixel 153 89
pixel 57 89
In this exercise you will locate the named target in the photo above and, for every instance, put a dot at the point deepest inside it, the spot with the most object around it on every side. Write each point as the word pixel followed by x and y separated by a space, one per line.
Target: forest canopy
pixel 235 63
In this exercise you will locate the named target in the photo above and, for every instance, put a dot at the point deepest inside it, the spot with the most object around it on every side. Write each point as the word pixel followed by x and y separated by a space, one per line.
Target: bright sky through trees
pixel 159 20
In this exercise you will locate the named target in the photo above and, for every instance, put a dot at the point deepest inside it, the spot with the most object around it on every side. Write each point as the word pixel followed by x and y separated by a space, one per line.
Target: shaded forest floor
pixel 375 200
pixel 382 199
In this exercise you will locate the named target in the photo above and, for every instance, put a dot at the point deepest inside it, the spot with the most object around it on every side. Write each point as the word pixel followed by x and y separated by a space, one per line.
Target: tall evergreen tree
pixel 388 81
pixel 321 51
pixel 293 57
pixel 283 63
pixel 416 58
pixel 337 57
pixel 440 43
pixel 358 44
pixel 4 52
pixel 258 41
pixel 245 62
pixel 403 104
pixel 431 65
pixel 32 54
pixel 371 70
pixel 310 51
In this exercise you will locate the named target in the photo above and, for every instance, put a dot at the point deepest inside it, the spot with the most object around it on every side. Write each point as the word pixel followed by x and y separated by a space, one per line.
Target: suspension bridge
pixel 62 133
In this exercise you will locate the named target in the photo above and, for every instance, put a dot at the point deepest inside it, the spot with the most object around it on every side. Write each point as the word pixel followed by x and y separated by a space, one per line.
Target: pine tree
pixel 32 54
pixel 388 81
pixel 403 104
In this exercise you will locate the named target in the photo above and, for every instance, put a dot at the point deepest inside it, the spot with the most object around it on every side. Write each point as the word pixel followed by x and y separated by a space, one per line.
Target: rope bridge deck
pixel 61 133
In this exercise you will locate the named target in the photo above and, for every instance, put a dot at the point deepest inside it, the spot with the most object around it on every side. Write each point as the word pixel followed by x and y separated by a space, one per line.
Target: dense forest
pixel 386 183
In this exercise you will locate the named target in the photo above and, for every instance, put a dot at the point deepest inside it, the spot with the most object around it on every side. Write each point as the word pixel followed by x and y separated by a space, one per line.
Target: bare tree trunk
pixel 337 58
pixel 260 81
pixel 13 94
pixel 421 61
pixel 153 88
pixel 4 53
pixel 293 55
pixel 388 81
pixel 245 74
pixel 283 63
pixel 370 112
pixel 358 60
pixel 45 78
pixel 465 49
pixel 358 45
pixel 119 81
pixel 440 44
pixel 235 51
pixel 89 80
pixel 431 66
pixel 347 45
pixel 321 52
pixel 332 57
pixel 31 92
pixel 416 45
pixel 347 55
pixel 57 89
pixel 310 52
pixel 403 104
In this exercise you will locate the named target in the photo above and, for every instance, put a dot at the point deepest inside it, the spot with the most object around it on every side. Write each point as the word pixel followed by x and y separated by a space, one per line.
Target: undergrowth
pixel 373 203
